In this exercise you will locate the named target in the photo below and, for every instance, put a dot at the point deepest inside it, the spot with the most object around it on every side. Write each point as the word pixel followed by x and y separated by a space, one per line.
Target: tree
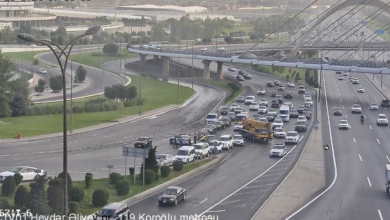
pixel 151 161
pixel 307 74
pixel 81 74
pixel 229 39
pixel 120 91
pixel 40 87
pixel 9 186
pixel 21 197
pixel 55 195
pixel 70 182
pixel 297 77
pixel 111 48
pixel 254 36
pixel 56 83
pixel 36 201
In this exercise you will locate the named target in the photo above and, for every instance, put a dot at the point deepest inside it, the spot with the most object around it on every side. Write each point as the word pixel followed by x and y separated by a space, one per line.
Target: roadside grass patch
pixel 223 84
pixel 97 61
pixel 25 55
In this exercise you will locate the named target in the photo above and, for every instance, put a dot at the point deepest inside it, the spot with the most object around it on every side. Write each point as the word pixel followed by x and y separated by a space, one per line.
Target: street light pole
pixel 32 39
pixel 71 94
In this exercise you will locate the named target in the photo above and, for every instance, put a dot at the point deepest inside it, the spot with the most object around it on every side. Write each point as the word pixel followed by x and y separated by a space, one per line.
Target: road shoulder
pixel 305 180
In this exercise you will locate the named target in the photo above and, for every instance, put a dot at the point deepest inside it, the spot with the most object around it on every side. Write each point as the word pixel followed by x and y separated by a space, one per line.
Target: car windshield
pixel 382 117
pixel 278 121
pixel 263 100
pixel 142 139
pixel 210 126
pixel 263 107
pixel 292 134
pixel 238 137
pixel 301 118
pixel 343 122
pixel 278 130
pixel 182 152
pixel 301 106
pixel 283 112
pixel 272 112
pixel 199 147
pixel 356 106
pixel 254 103
pixel 106 212
pixel 250 98
pixel 241 97
pixel 301 123
pixel 214 143
pixel 223 139
pixel 211 116
pixel 374 105
pixel 293 111
pixel 230 114
pixel 239 117
pixel 161 157
pixel 278 147
pixel 16 169
pixel 278 96
pixel 170 192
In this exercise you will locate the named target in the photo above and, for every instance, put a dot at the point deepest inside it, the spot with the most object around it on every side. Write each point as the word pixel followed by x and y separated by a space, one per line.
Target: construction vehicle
pixel 257 130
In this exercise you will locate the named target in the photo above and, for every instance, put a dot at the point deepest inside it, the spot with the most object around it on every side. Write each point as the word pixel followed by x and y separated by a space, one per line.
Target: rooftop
pixel 189 9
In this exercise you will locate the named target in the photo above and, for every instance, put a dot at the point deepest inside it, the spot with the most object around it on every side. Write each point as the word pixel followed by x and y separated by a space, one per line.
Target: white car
pixel 278 150
pixel 202 149
pixel 261 92
pixel 355 81
pixel 374 106
pixel 279 133
pixel 343 124
pixel 263 102
pixel 220 48
pixel 204 49
pixel 238 140
pixel 290 84
pixel 277 123
pixel 249 99
pixel 273 112
pixel 265 120
pixel 307 95
pixel 28 173
pixel 302 118
pixel 227 141
pixel 232 69
pixel 360 90
pixel 262 110
pixel 165 160
pixel 356 108
pixel 382 120
pixel 215 146
pixel 292 137
pixel 254 106
pixel 341 78
pixel 42 71
pixel 308 102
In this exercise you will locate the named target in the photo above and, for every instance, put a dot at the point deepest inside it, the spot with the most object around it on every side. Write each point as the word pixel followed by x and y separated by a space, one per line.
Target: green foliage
pixel 56 83
pixel 287 77
pixel 88 180
pixel 297 77
pixel 150 176
pixel 76 194
pixel 18 178
pixel 114 178
pixel 9 186
pixel 73 207
pixel 81 74
pixel 177 166
pixel 120 91
pixel 122 187
pixel 62 176
pixel 37 197
pixel 36 62
pixel 4 204
pixel 151 162
pixel 132 171
pixel 41 86
pixel 100 197
pixel 21 197
pixel 165 171
pixel 235 88
pixel 111 48
pixel 157 177
pixel 55 195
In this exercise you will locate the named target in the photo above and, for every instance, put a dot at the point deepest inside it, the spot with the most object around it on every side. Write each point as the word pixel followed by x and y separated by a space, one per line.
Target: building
pixel 16 14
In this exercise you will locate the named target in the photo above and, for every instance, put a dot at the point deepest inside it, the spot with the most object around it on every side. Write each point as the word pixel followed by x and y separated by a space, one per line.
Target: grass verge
pixel 86 206
pixel 97 61
pixel 26 55
pixel 223 84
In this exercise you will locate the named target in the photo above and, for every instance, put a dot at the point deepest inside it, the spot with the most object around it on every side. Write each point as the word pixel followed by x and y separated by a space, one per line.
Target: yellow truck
pixel 257 130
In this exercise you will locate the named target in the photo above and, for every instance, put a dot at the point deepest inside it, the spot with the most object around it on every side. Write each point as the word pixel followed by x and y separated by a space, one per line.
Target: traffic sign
pixel 316 127
pixel 379 31
pixel 364 22
pixel 326 147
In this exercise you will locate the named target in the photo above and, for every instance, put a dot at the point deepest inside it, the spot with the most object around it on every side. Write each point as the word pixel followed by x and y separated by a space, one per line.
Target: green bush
pixel 76 193
pixel 157 177
pixel 165 171
pixel 88 180
pixel 100 197
pixel 177 166
pixel 21 196
pixel 70 183
pixel 114 178
pixel 9 186
pixel 150 176
pixel 131 170
pixel 4 204
pixel 73 207
pixel 18 178
pixel 122 187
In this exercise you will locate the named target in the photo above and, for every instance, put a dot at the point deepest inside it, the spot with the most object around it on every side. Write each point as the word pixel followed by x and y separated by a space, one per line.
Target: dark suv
pixel 143 142
pixel 385 103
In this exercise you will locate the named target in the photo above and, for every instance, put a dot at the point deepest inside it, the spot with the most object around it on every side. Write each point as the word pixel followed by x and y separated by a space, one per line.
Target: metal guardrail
pixel 21 61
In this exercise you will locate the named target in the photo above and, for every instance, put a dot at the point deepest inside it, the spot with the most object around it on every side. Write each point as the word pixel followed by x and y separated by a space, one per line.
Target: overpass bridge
pixel 357 66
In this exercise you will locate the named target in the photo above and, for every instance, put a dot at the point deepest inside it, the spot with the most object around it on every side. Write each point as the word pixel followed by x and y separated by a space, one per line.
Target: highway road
pixel 236 189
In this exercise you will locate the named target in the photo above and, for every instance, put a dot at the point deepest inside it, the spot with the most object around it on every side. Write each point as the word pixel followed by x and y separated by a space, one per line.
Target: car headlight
pixel 172 199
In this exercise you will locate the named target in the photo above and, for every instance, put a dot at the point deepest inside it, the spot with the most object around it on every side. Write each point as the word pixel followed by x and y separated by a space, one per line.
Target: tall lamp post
pixel 49 44
pixel 71 94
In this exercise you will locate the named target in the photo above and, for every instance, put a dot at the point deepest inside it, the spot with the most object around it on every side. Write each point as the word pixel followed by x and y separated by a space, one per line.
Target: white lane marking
pixel 346 116
pixel 339 94
pixel 343 107
pixel 245 185
pixel 108 136
pixel 204 200
pixel 354 140
pixel 234 201
pixel 246 165
pixel 380 214
pixel 378 141
pixel 341 100
pixel 388 159
pixel 333 157
pixel 353 95
pixel 369 182
pixel 221 178
pixel 360 157
pixel 217 211
pixel 355 100
pixel 370 127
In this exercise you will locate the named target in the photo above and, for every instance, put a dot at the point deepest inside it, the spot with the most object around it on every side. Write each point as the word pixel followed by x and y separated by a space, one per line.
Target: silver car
pixel 165 160
pixel 374 106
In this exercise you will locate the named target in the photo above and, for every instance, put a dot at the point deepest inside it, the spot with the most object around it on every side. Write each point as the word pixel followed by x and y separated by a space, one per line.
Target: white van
pixel 227 141
pixel 284 113
pixel 212 117
pixel 202 149
pixel 186 154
